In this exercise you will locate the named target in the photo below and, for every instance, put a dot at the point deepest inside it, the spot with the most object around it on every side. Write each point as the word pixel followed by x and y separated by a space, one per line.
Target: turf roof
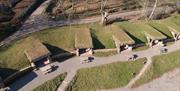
pixel 120 36
pixel 36 49
pixel 83 38
pixel 150 31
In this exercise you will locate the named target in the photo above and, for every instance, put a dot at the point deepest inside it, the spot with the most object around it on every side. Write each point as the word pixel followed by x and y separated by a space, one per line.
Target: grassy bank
pixel 134 31
pixel 161 64
pixel 107 76
pixel 52 84
pixel 102 37
pixel 12 58
pixel 105 54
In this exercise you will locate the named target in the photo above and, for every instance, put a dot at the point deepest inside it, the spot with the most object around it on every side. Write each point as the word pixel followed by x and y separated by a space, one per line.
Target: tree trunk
pixel 154 8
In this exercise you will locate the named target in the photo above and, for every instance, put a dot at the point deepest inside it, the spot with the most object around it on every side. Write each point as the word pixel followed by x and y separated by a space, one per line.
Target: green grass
pixel 161 64
pixel 175 19
pixel 102 38
pixel 135 32
pixel 149 31
pixel 170 23
pixel 104 54
pixel 161 28
pixel 107 76
pixel 58 39
pixel 52 84
pixel 12 58
pixel 83 38
pixel 145 47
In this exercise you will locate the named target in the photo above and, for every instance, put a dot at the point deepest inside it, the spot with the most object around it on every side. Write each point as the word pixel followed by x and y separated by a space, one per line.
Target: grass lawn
pixel 102 37
pixel 104 54
pixel 52 84
pixel 107 76
pixel 161 64
pixel 141 48
pixel 134 31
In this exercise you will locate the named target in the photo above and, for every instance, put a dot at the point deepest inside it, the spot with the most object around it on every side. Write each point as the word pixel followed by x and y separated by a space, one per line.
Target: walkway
pixel 143 70
pixel 36 78
pixel 67 80
pixel 168 82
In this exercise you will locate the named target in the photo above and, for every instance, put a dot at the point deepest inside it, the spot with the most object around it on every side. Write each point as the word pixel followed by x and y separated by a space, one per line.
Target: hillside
pixel 86 8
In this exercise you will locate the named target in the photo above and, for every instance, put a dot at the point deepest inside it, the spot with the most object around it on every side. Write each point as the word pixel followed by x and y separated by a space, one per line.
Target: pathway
pixel 143 70
pixel 67 80
pixel 168 82
pixel 36 78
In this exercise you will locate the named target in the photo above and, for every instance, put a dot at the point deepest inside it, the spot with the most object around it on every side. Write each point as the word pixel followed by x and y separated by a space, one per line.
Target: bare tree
pixel 154 8
pixel 104 14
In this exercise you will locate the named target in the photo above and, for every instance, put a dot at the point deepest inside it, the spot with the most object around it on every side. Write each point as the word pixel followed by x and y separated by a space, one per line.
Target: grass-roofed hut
pixel 83 42
pixel 121 39
pixel 173 28
pixel 152 35
pixel 37 52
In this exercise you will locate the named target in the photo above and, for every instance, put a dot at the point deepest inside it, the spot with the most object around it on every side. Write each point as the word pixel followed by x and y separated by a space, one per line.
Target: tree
pixel 154 8
pixel 104 14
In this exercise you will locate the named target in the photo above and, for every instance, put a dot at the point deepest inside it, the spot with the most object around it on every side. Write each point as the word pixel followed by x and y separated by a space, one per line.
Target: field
pixel 106 76
pixel 52 84
pixel 161 64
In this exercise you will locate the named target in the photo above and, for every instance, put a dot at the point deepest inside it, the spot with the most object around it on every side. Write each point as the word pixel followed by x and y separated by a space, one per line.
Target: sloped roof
pixel 120 36
pixel 83 38
pixel 172 26
pixel 36 49
pixel 151 32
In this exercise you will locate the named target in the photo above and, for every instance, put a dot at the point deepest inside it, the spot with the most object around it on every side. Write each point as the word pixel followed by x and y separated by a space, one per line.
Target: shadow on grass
pixel 137 41
pixel 58 51
pixel 55 50
pixel 64 58
pixel 5 72
pixel 18 84
pixel 97 44
pixel 169 37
